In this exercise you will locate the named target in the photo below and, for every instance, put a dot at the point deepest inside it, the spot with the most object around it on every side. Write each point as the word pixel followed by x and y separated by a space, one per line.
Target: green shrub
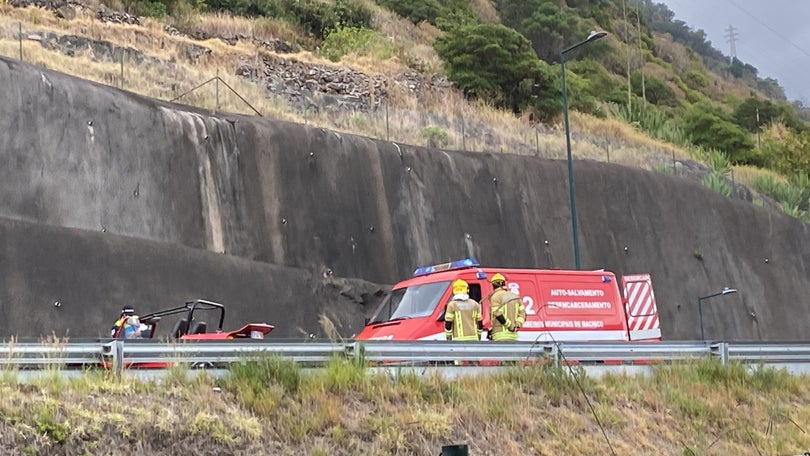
pixel 444 14
pixel 314 16
pixel 361 41
pixel 664 169
pixel 696 79
pixel 716 160
pixel 589 82
pixel 342 374
pixel 259 373
pixel 156 10
pixel 435 137
pixel 712 130
pixel 793 197
pixel 652 121
pixel 48 424
pixel 718 183
pixel 497 64
pixel 657 91
pixel 415 10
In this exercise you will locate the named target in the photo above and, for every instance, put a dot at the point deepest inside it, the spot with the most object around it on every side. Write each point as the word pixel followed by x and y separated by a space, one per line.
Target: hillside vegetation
pixel 475 75
pixel 271 406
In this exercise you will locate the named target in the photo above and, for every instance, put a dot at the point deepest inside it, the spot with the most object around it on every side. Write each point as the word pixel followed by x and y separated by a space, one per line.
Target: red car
pixel 187 327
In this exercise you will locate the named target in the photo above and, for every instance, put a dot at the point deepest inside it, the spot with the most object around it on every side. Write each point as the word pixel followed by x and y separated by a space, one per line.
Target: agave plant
pixel 718 183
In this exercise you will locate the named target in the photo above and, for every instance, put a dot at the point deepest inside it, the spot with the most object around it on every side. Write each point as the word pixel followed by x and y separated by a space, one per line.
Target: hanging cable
pixel 579 384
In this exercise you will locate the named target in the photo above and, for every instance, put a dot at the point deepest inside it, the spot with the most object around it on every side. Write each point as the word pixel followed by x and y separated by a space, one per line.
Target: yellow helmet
pixel 460 286
pixel 498 277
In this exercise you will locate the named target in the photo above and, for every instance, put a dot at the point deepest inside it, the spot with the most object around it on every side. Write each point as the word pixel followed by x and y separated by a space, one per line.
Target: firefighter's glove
pixel 448 336
pixel 508 325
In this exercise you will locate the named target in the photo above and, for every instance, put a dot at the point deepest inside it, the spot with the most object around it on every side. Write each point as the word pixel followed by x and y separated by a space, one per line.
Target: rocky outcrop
pixel 310 86
pixel 116 17
pixel 101 50
pixel 306 86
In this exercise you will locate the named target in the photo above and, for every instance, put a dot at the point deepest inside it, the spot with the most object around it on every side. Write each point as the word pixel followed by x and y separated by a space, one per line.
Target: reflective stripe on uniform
pixel 464 316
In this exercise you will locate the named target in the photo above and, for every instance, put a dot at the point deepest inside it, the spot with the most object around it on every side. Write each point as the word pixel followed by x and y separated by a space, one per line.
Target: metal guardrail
pixel 32 354
pixel 120 354
pixel 751 353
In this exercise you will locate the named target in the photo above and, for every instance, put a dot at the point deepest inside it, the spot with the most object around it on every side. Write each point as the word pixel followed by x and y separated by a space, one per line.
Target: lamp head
pixel 595 35
pixel 727 290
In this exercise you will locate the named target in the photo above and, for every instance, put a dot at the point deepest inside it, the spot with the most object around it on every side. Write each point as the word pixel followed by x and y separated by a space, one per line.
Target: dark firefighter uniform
pixel 462 318
pixel 506 309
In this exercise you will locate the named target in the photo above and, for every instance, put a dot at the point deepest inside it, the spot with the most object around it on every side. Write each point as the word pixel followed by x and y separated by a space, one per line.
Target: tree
pixel 496 63
pixel 753 113
pixel 741 70
pixel 549 25
pixel 771 88
pixel 589 82
pixel 713 131
pixel 445 14
pixel 656 91
pixel 415 10
pixel 787 151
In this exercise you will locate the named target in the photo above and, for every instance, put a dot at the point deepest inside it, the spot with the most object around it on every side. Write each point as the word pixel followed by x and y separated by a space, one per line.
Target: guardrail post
pixel 724 353
pixel 719 350
pixel 358 352
pixel 117 357
pixel 556 355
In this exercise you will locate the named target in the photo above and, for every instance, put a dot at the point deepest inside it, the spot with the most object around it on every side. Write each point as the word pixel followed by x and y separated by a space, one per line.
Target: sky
pixel 771 35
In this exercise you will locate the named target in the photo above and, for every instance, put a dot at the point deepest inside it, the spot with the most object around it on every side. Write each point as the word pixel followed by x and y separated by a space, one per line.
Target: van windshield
pixel 411 302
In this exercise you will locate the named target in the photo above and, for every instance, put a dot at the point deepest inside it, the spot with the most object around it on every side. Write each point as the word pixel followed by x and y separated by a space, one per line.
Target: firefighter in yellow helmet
pixel 462 317
pixel 506 311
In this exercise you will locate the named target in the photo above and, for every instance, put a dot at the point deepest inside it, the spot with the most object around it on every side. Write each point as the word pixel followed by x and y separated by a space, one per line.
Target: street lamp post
pixel 723 292
pixel 592 37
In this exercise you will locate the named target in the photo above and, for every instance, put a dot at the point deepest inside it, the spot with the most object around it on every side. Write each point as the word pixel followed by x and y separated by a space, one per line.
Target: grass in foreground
pixel 271 406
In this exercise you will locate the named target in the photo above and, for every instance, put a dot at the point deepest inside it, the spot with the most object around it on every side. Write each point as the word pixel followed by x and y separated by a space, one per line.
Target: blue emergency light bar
pixel 458 264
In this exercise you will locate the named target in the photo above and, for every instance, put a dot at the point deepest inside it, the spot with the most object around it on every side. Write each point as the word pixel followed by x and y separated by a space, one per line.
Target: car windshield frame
pixel 415 301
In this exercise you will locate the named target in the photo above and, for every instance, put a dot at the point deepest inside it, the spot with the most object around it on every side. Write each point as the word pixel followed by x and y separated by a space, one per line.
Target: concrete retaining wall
pixel 88 156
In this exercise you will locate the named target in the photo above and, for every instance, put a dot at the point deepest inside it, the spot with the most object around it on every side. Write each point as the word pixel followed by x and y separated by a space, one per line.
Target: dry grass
pixel 747 175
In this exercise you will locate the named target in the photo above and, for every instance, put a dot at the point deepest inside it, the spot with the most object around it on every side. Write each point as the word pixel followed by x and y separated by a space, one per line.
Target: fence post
pixel 674 169
pixel 216 108
pixel 122 69
pixel 536 141
pixel 20 38
pixel 387 130
pixel 463 143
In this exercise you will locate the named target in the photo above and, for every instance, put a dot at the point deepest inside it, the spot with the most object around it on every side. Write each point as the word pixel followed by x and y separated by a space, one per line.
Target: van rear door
pixel 641 308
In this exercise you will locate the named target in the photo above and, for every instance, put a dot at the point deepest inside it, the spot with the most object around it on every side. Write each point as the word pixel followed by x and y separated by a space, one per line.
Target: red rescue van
pixel 561 305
